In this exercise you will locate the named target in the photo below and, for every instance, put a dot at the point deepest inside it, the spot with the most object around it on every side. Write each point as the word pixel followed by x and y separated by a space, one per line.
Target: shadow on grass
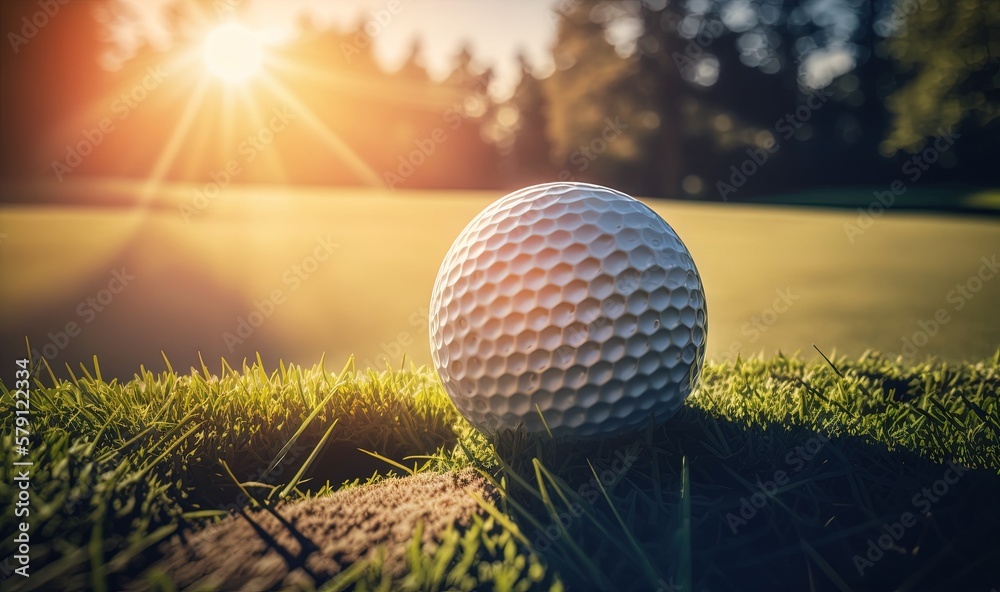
pixel 339 462
pixel 705 503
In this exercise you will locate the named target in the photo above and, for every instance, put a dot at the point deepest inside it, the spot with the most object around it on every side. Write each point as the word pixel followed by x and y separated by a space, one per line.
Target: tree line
pixel 704 99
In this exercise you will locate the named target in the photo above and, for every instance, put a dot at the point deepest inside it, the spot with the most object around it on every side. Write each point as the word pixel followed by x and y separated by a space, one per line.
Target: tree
pixel 413 68
pixel 593 110
pixel 530 150
pixel 954 78
pixel 662 87
pixel 53 85
pixel 472 160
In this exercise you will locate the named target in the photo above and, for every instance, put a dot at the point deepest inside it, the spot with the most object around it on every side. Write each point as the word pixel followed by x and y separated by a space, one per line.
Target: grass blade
pixel 309 460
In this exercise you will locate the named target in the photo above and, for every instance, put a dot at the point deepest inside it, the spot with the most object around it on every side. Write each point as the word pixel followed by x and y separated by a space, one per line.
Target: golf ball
pixel 569 302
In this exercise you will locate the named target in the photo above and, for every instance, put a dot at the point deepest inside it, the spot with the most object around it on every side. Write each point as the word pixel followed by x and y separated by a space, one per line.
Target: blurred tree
pixel 661 87
pixel 851 126
pixel 718 84
pixel 593 110
pixel 413 68
pixel 950 48
pixel 470 159
pixel 358 50
pixel 656 97
pixel 529 151
pixel 51 75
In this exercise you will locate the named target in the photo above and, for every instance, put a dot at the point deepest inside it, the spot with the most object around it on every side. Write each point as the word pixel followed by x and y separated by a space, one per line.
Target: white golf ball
pixel 572 302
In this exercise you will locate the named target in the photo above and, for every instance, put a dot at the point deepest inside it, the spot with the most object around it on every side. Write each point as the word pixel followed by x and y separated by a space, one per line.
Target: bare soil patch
pixel 306 543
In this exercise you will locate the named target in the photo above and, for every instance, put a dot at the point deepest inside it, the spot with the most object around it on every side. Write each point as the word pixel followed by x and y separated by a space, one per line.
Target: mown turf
pixel 776 278
pixel 777 474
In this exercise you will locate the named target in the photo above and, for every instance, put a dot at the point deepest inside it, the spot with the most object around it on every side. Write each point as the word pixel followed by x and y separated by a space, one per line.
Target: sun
pixel 233 52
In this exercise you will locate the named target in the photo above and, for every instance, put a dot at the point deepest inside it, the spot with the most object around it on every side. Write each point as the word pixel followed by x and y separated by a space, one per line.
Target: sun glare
pixel 233 52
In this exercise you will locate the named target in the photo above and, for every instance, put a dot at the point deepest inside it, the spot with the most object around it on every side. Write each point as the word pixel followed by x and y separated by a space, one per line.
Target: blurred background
pixel 240 176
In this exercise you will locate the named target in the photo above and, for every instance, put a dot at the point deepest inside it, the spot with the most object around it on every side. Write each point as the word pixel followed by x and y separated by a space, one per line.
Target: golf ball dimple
pixel 569 302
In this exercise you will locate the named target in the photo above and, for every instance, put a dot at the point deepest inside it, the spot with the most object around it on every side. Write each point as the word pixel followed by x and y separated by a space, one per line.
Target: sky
pixel 496 30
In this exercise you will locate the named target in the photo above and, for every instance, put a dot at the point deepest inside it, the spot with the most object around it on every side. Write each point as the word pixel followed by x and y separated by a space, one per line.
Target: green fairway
pixel 500 296
pixel 955 199
pixel 875 471
pixel 782 474
pixel 776 278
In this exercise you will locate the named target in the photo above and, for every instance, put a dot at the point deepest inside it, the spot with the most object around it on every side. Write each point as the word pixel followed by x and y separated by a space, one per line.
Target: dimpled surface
pixel 574 298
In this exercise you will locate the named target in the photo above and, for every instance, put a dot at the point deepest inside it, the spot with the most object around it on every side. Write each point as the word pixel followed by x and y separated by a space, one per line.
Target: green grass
pixel 854 292
pixel 120 467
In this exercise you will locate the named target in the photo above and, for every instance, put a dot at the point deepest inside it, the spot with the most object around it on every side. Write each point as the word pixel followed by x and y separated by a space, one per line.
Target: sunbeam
pixel 432 97
pixel 174 144
pixel 364 172
pixel 273 157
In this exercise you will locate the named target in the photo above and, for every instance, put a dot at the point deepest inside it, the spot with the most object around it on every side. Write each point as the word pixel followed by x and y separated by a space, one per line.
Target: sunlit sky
pixel 496 30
